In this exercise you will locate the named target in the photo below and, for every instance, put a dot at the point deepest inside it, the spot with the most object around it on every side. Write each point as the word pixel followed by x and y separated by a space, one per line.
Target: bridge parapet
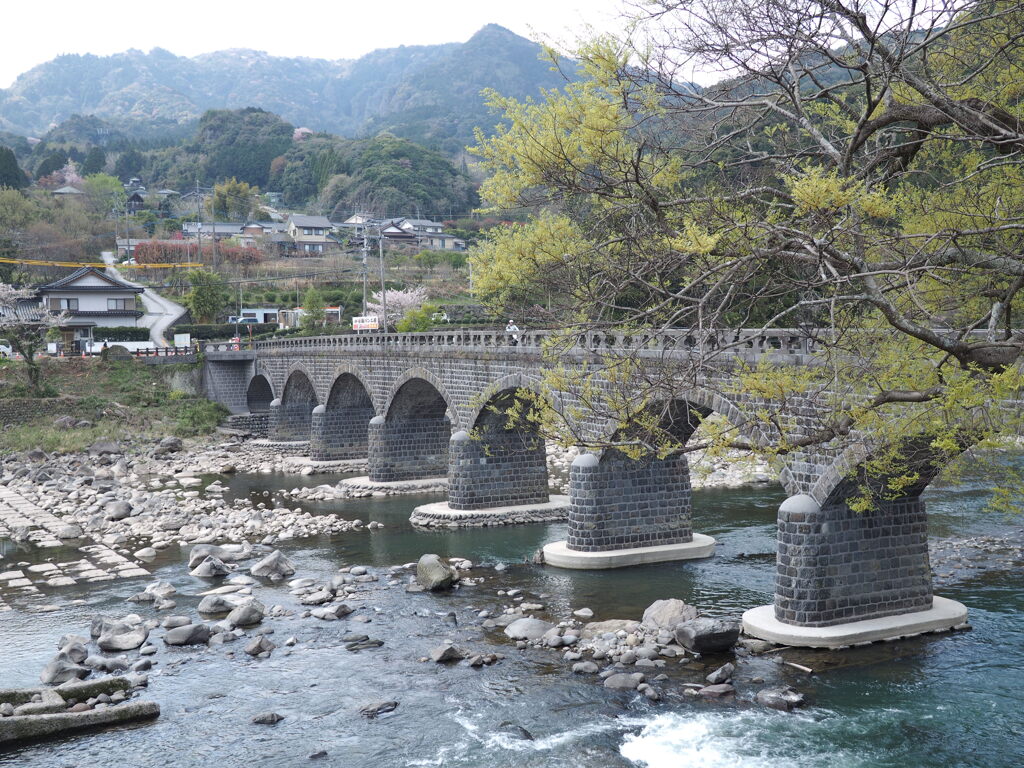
pixel 797 344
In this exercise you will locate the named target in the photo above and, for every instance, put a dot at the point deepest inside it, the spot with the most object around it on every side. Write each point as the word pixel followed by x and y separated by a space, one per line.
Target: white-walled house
pixel 90 298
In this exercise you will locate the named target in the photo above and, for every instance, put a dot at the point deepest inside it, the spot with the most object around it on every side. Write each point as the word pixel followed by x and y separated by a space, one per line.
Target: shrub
pixel 120 333
pixel 199 418
pixel 222 331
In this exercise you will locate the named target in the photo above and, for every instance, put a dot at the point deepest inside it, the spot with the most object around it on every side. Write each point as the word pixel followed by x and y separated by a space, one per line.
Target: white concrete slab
pixel 944 615
pixel 440 514
pixel 559 555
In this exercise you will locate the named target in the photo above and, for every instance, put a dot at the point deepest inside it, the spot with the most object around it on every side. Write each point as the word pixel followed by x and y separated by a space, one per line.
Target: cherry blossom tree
pixel 25 325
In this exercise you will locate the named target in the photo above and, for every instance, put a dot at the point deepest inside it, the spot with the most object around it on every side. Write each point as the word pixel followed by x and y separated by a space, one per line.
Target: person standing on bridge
pixel 513 329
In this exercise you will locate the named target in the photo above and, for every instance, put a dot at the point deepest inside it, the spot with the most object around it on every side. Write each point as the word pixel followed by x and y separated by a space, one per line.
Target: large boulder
pixel 666 614
pixel 783 698
pixel 60 671
pixel 247 614
pixel 528 629
pixel 226 554
pixel 210 568
pixel 117 510
pixel 190 634
pixel 215 604
pixel 104 447
pixel 274 566
pixel 434 574
pixel 123 637
pixel 624 681
pixel 708 635
pixel 259 645
pixel 447 652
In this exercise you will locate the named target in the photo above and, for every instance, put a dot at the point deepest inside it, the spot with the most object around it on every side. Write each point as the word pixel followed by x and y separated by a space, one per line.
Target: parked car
pixel 6 352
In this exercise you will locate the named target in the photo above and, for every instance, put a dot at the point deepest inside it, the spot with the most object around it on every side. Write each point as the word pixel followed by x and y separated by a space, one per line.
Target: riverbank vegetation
pixel 105 400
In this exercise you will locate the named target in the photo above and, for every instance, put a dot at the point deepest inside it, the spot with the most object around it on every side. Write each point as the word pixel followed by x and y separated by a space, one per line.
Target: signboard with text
pixel 365 323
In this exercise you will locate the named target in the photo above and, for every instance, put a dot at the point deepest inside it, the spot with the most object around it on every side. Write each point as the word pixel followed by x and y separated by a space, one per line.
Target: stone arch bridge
pixel 408 403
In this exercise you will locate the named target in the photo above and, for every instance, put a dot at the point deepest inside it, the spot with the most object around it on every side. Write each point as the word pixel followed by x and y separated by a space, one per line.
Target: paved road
pixel 161 312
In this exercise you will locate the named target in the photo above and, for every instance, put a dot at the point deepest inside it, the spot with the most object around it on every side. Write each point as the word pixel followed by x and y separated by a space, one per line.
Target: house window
pixel 120 304
pixel 65 305
pixel 313 247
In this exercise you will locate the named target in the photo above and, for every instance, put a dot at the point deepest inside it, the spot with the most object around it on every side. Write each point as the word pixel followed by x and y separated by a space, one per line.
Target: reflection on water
pixel 936 701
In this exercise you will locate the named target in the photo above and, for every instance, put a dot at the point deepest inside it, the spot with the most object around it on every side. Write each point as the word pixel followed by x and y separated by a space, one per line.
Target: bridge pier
pixel 628 512
pixel 407 448
pixel 845 577
pixel 499 479
pixel 289 423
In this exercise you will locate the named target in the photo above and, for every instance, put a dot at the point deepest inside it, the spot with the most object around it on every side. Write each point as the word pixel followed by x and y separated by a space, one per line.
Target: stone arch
pixel 294 412
pixel 503 463
pixel 410 441
pixel 259 394
pixel 339 428
pixel 431 379
pixel 355 372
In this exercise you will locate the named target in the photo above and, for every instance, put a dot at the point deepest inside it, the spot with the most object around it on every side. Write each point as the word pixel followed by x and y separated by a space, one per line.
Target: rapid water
pixel 949 700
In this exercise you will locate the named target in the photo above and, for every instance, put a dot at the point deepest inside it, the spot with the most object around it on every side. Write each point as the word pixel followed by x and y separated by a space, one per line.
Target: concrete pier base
pixel 441 515
pixel 341 465
pixel 423 485
pixel 559 555
pixel 944 615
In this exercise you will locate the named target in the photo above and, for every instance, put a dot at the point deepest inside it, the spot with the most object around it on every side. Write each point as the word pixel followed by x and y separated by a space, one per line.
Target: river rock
pixel 274 566
pixel 783 698
pixel 161 588
pixel 122 637
pixel 70 531
pixel 528 629
pixel 319 597
pixel 443 653
pixel 707 635
pixel 623 681
pixel 331 612
pixel 214 604
pixel 585 668
pixel 247 614
pixel 226 554
pixel 716 691
pixel 60 671
pixel 515 731
pixel 169 444
pixel 722 674
pixel 666 614
pixel 75 652
pixel 146 553
pixel 104 447
pixel 259 645
pixel 117 510
pixel 190 634
pixel 210 568
pixel 433 574
pixel 268 718
pixel 378 708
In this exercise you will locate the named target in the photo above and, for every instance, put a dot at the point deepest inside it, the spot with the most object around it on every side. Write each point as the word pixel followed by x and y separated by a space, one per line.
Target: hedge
pixel 120 333
pixel 224 330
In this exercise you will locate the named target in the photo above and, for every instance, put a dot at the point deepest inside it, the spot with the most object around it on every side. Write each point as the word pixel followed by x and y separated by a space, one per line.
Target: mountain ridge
pixel 428 93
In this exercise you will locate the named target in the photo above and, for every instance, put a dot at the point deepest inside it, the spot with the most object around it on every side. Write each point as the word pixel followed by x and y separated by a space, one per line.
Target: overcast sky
pixel 328 29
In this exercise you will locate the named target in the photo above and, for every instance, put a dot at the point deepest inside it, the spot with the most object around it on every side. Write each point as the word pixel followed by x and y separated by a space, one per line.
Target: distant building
pixel 311 234
pixel 90 298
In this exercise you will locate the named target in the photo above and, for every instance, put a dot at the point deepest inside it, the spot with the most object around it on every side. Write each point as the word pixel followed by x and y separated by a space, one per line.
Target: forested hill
pixel 430 94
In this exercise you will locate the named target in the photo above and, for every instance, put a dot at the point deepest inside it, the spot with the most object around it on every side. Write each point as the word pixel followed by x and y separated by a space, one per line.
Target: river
pixel 945 700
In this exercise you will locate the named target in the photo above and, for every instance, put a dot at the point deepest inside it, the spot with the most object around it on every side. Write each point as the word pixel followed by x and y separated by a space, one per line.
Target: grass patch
pixel 46 437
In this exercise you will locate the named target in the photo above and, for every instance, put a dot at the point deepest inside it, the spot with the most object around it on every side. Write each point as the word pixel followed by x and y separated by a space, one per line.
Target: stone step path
pixel 40 528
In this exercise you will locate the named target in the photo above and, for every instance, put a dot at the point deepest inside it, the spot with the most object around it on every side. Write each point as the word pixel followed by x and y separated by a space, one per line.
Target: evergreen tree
pixel 53 162
pixel 128 164
pixel 94 161
pixel 314 315
pixel 11 174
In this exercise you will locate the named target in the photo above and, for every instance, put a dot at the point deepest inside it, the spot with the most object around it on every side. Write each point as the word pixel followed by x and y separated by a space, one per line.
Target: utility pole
pixel 383 290
pixel 199 223
pixel 366 250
